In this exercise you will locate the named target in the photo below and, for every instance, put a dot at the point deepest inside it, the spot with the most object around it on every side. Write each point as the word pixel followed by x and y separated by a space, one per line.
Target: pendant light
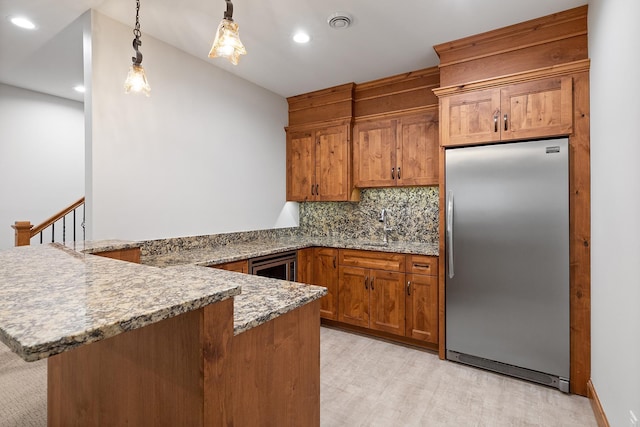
pixel 136 78
pixel 227 43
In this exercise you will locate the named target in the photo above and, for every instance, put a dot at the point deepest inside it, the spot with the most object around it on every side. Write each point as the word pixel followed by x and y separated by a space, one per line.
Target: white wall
pixel 41 157
pixel 204 154
pixel 614 46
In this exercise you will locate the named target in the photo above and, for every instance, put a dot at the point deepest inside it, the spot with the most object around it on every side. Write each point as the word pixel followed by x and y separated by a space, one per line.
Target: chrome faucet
pixel 383 219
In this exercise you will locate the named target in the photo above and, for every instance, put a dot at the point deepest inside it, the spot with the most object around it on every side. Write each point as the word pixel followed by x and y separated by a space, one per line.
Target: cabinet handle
pixel 312 190
pixel 317 189
pixel 495 123
pixel 398 172
pixel 505 122
pixel 366 282
pixel 421 265
pixel 393 173
pixel 409 287
pixel 371 284
pixel 334 262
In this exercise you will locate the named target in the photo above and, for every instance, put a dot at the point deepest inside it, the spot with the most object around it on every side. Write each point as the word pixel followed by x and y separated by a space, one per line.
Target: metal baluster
pixel 41 237
pixel 83 222
pixel 74 225
pixel 64 229
pixel 53 231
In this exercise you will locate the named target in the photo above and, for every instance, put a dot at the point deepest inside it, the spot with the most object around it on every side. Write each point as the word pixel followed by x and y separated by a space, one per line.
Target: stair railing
pixel 24 230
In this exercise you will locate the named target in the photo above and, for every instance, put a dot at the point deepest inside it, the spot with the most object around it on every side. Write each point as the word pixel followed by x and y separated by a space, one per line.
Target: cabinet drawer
pixel 422 264
pixel 374 260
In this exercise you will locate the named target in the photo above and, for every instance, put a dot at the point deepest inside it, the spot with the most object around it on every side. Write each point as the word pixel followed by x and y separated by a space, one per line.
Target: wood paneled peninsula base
pixel 135 345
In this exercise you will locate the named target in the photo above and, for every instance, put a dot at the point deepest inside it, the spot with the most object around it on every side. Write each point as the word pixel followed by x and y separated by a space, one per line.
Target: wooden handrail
pixel 57 216
pixel 24 230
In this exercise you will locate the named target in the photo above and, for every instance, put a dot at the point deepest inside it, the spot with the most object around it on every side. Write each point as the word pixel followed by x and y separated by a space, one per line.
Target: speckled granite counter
pixel 262 299
pixel 243 250
pixel 53 299
pixel 93 246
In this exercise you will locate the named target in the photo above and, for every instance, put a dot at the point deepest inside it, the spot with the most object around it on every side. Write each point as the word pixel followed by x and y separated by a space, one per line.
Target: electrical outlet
pixel 633 420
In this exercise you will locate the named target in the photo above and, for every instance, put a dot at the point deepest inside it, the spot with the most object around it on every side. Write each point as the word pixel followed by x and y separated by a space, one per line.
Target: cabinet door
pixel 304 265
pixel 374 153
pixel 537 109
pixel 325 274
pixel 422 307
pixel 300 166
pixel 387 301
pixel 332 163
pixel 418 150
pixel 353 302
pixel 471 117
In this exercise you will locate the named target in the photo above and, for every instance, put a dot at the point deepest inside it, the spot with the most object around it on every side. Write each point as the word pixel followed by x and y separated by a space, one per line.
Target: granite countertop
pixel 53 299
pixel 262 299
pixel 93 246
pixel 244 250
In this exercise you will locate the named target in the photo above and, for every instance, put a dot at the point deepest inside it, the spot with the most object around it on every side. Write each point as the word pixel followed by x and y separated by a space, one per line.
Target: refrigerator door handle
pixel 450 232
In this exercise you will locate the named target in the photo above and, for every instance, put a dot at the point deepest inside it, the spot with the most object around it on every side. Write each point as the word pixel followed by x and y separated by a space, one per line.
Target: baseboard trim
pixel 598 411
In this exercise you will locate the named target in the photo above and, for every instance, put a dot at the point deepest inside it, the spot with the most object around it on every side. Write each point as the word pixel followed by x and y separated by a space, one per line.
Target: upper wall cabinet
pixel 534 109
pixel 318 164
pixel 319 146
pixel 402 151
pixel 395 140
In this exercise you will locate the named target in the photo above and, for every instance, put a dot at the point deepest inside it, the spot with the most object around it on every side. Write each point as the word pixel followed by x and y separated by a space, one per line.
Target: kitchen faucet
pixel 383 219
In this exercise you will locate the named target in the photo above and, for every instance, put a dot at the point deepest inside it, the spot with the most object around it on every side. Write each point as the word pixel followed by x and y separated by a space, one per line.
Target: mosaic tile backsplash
pixel 412 212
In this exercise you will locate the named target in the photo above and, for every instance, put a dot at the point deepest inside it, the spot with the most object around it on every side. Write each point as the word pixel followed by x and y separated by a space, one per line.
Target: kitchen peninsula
pixel 138 345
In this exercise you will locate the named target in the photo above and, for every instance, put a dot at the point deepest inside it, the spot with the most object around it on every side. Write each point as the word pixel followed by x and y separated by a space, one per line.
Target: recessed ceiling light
pixel 79 88
pixel 22 22
pixel 301 37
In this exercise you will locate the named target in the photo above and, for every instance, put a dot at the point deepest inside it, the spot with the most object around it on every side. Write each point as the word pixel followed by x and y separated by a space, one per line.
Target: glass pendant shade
pixel 137 81
pixel 227 43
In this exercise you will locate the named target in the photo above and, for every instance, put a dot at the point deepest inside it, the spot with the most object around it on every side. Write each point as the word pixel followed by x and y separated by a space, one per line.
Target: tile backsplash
pixel 412 212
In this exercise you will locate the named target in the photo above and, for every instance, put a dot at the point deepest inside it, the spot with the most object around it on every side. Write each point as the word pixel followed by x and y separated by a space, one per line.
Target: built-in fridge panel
pixel 507 279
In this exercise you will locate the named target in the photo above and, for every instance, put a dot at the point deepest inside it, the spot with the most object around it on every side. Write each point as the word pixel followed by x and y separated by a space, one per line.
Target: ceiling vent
pixel 339 20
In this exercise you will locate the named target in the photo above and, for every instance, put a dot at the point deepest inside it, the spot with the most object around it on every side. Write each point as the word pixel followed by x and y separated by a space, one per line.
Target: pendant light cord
pixel 136 30
pixel 137 60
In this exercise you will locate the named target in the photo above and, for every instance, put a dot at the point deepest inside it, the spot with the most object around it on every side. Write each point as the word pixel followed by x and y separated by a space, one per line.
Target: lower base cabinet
pixel 372 298
pixel 237 266
pixel 395 295
pixel 319 266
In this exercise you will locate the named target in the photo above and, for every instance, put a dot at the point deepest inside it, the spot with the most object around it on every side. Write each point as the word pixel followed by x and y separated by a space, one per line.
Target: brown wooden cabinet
pixel 422 298
pixel 533 109
pixel 325 273
pixel 241 266
pixel 319 266
pixel 318 164
pixel 398 151
pixel 129 254
pixel 370 294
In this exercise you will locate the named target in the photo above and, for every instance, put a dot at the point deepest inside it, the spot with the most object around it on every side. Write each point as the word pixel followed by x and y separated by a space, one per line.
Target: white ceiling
pixel 386 37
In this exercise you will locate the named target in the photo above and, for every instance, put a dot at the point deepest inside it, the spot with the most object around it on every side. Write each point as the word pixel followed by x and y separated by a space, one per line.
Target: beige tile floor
pixel 368 382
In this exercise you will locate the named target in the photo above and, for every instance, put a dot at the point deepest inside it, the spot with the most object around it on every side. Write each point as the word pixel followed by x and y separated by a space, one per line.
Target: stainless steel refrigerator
pixel 507 241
